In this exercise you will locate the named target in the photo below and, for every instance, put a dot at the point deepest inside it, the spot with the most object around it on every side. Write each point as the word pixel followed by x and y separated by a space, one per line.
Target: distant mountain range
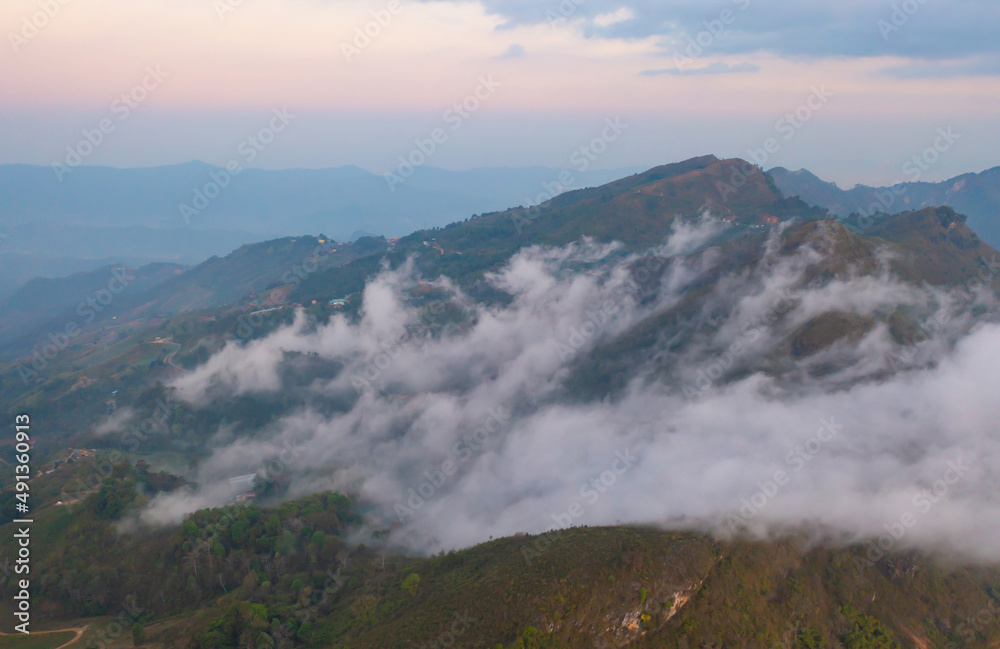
pixel 43 299
pixel 97 216
pixel 637 210
pixel 977 195
pixel 164 289
pixel 707 345
pixel 186 213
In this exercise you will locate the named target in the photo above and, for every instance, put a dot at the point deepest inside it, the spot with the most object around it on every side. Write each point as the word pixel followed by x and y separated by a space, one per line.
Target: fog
pixel 468 427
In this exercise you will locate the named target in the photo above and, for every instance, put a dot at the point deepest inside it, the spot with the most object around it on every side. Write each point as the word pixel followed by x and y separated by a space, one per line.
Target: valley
pixel 321 371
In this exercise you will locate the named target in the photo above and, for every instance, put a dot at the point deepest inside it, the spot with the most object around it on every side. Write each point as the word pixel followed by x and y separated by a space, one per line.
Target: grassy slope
pixel 935 246
pixel 588 588
pixel 639 211
pixel 932 246
pixel 37 640
pixel 579 588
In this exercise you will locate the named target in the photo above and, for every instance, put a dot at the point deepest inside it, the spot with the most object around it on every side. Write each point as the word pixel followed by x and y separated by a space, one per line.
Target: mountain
pixel 977 195
pixel 163 213
pixel 155 291
pixel 16 268
pixel 251 269
pixel 30 250
pixel 932 246
pixel 678 409
pixel 84 242
pixel 39 300
pixel 250 576
pixel 639 211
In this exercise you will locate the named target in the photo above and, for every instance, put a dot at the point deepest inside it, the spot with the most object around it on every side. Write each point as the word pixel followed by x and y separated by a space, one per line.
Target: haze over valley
pixel 479 324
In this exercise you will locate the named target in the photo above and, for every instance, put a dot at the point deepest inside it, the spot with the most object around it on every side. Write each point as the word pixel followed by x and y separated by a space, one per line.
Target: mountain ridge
pixel 977 195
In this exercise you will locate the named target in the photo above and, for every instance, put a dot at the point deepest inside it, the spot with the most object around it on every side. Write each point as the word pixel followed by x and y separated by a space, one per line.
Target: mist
pixel 467 427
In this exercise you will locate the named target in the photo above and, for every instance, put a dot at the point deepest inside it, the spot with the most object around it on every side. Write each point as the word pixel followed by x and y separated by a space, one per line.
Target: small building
pixel 338 303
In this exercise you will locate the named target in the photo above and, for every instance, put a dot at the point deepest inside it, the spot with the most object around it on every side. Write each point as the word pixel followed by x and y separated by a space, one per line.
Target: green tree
pixel 411 583
pixel 138 634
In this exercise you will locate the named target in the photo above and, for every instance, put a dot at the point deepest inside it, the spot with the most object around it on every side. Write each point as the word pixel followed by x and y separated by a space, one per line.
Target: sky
pixel 849 89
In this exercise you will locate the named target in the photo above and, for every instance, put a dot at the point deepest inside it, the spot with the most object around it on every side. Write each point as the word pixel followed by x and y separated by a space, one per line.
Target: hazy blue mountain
pixel 40 300
pixel 94 216
pixel 128 294
pixel 263 202
pixel 977 195
pixel 92 242
pixel 51 251
pixel 16 268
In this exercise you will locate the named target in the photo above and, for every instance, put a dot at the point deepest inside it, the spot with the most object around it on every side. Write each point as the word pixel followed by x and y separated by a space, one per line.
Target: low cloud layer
pixel 464 427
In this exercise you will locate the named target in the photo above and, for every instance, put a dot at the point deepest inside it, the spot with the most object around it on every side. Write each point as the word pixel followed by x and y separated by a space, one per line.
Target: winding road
pixel 77 630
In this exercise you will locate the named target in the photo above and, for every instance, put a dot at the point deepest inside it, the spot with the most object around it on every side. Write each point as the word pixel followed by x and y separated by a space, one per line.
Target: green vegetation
pixel 411 583
pixel 36 640
pixel 138 634
pixel 136 357
pixel 530 638
pixel 866 632
pixel 241 575
pixel 292 575
pixel 653 201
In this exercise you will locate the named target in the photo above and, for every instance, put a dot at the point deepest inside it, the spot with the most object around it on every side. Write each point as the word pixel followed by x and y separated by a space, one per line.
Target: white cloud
pixel 613 18
pixel 496 382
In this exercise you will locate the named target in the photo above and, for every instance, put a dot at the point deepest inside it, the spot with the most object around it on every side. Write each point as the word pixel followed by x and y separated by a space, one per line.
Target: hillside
pixel 701 351
pixel 639 211
pixel 163 290
pixel 246 574
pixel 936 245
pixel 96 216
pixel 252 269
pixel 103 211
pixel 40 300
pixel 932 247
pixel 977 195
pixel 146 337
